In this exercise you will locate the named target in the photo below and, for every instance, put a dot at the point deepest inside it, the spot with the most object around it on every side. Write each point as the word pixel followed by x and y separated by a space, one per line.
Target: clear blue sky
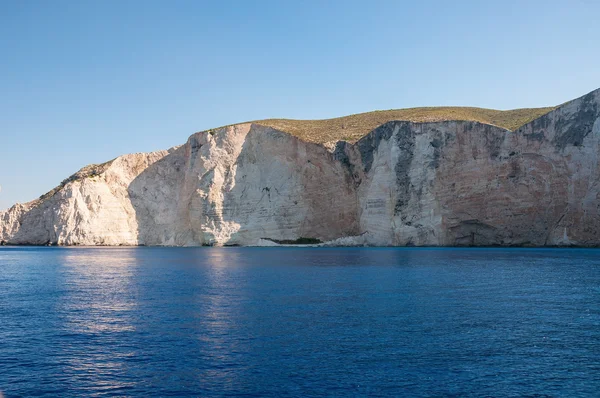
pixel 85 81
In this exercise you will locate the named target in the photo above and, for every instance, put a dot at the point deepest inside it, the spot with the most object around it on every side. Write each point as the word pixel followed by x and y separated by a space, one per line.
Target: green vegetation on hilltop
pixel 352 128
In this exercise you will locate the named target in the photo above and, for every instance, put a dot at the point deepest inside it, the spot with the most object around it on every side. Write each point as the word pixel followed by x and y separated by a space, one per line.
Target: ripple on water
pixel 297 322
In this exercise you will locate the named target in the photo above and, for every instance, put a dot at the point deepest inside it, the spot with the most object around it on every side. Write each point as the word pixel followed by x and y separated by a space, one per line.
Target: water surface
pixel 299 322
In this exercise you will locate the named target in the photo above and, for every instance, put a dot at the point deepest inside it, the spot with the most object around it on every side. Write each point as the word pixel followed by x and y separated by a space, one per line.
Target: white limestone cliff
pixel 444 183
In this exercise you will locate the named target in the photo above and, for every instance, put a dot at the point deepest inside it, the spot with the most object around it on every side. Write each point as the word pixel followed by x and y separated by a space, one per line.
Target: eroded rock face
pixel 231 186
pixel 446 183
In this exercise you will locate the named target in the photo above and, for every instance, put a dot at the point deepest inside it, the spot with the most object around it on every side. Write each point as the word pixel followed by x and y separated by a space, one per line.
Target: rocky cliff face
pixel 445 183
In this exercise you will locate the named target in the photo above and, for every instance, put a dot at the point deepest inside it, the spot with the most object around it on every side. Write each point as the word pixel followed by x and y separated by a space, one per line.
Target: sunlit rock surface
pixel 438 184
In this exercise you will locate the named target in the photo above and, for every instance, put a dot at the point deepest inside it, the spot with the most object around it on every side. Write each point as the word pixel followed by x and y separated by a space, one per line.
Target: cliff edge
pixel 438 183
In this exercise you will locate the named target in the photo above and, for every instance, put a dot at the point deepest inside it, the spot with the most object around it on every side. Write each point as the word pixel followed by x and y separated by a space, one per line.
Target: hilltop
pixel 353 127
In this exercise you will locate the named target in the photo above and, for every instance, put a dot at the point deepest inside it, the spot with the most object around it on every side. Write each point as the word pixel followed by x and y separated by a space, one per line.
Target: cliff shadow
pixel 155 195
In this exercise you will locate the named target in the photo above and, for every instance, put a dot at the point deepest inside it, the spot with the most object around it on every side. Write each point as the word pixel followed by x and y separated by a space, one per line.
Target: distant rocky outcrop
pixel 443 183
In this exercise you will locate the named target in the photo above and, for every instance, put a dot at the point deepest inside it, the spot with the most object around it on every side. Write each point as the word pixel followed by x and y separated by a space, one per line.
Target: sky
pixel 85 81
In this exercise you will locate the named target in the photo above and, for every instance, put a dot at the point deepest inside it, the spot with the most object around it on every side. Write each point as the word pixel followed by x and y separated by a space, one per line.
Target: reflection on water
pixel 298 322
pixel 98 293
pixel 219 310
pixel 97 306
pixel 217 302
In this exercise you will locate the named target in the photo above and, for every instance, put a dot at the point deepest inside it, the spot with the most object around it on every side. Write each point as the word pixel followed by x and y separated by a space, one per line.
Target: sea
pixel 299 322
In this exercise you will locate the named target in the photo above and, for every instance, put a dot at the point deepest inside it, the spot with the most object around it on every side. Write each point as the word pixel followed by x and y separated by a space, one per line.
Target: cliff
pixel 441 183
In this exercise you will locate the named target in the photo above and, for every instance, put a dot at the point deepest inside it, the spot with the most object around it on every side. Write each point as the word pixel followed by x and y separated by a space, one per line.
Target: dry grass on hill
pixel 352 128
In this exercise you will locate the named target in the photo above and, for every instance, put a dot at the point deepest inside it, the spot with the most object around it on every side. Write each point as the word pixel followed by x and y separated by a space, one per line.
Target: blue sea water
pixel 299 322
